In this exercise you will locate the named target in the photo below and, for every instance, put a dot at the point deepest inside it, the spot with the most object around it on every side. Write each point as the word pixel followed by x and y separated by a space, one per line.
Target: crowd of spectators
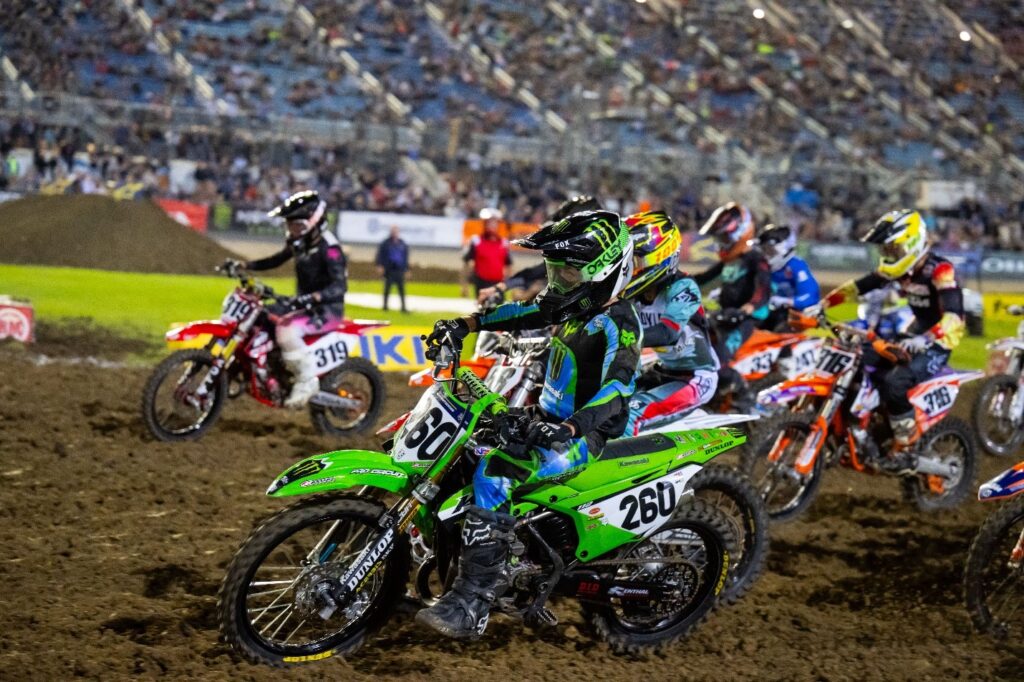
pixel 252 175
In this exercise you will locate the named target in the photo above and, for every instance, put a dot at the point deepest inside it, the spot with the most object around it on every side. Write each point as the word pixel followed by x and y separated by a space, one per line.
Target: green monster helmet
pixel 589 259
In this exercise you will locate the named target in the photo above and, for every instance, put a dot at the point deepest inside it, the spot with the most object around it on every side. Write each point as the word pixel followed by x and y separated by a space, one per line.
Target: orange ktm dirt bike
pixel 767 358
pixel 835 420
pixel 185 394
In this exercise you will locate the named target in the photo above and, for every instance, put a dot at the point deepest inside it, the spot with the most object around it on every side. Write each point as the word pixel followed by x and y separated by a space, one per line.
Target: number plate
pixel 235 307
pixel 645 508
pixel 935 398
pixel 835 361
pixel 805 355
pixel 430 427
pixel 329 351
pixel 757 364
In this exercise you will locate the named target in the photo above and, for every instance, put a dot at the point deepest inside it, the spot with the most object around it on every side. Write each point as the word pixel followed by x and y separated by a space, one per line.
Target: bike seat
pixel 637 445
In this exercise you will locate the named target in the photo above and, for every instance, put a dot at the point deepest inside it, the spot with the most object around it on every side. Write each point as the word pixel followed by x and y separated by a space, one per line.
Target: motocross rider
pixel 320 272
pixel 590 375
pixel 793 284
pixel 746 286
pixel 930 285
pixel 529 281
pixel 670 310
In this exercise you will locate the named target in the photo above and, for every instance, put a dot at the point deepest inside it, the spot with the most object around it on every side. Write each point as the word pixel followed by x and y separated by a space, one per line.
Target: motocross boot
pixel 464 611
pixel 902 459
pixel 305 384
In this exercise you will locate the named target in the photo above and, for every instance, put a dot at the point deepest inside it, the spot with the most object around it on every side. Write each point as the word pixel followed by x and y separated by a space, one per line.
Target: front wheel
pixel 772 469
pixel 689 556
pixel 269 602
pixel 359 381
pixel 994 575
pixel 184 396
pixel 950 443
pixel 997 432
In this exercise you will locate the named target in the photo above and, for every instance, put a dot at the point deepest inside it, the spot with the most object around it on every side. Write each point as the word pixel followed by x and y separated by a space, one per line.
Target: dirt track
pixel 113 546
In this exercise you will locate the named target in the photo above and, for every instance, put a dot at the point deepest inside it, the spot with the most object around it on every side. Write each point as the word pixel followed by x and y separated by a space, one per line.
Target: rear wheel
pixel 359 381
pixel 269 603
pixel 950 443
pixel 732 493
pixel 184 396
pixel 994 575
pixel 991 414
pixel 689 557
pixel 771 467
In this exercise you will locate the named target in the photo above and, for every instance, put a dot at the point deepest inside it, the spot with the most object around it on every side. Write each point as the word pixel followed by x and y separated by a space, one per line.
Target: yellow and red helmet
pixel 656 245
pixel 732 228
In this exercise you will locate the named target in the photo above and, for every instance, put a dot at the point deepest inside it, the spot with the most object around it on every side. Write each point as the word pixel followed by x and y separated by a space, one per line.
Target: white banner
pixel 364 227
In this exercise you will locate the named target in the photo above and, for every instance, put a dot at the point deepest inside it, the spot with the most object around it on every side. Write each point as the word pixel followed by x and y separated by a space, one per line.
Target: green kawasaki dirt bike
pixel 624 536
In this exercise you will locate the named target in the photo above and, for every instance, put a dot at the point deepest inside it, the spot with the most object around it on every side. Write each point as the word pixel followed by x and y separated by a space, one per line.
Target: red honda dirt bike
pixel 994 573
pixel 186 392
pixel 835 420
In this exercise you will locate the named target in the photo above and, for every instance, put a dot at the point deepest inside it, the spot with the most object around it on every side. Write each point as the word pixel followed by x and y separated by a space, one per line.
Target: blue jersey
pixel 795 281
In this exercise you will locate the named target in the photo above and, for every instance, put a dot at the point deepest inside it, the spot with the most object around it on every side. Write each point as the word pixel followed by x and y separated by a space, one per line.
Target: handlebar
pixel 234 269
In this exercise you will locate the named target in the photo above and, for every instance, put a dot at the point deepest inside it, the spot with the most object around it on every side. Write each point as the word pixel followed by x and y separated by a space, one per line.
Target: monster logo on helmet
pixel 589 261
pixel 902 240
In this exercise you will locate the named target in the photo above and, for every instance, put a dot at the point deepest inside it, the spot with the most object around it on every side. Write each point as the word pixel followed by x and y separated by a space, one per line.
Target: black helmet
pixel 578 204
pixel 589 259
pixel 304 214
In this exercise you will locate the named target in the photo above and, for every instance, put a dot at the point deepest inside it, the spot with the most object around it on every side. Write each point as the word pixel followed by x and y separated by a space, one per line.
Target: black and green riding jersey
pixel 592 367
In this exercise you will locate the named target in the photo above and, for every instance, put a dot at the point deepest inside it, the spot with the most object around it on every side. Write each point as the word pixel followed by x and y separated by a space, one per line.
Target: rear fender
pixel 340 470
pixel 1006 345
pixel 932 399
pixel 811 383
pixel 193 330
pixel 1008 484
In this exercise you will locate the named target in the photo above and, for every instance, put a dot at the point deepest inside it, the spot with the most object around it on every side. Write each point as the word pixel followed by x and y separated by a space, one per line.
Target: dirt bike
pixel 185 394
pixel 998 414
pixel 767 358
pixel 835 420
pixel 994 574
pixel 516 371
pixel 623 536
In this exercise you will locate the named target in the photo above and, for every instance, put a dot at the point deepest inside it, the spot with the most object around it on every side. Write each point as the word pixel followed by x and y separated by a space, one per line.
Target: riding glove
pixel 546 434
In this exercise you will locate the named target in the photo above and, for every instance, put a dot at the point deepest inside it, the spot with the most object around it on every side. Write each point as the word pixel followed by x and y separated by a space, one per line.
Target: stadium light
pixel 758 13
pixel 965 36
pixel 847 24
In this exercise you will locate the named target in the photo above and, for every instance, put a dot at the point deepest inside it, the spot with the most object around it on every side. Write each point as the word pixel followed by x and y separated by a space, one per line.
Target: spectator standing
pixel 487 256
pixel 393 264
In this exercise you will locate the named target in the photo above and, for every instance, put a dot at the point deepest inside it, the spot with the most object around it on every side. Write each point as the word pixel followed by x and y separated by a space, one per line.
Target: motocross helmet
pixel 656 244
pixel 589 260
pixel 304 214
pixel 778 244
pixel 578 204
pixel 902 240
pixel 732 228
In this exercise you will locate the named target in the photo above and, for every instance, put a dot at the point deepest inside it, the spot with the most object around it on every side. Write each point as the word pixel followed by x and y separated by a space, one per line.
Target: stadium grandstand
pixel 819 112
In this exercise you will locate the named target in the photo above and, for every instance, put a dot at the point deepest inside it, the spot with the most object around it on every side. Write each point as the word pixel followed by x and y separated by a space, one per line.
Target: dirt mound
pixel 136 535
pixel 97 232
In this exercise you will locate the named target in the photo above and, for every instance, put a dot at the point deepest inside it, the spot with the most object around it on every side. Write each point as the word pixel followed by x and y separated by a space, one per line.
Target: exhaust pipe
pixel 325 399
pixel 932 466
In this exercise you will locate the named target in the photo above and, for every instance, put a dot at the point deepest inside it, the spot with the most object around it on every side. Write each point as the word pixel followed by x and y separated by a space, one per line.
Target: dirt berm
pixel 112 547
pixel 87 231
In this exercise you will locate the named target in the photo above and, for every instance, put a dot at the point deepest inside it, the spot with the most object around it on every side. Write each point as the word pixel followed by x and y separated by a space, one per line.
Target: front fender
pixel 340 470
pixel 193 330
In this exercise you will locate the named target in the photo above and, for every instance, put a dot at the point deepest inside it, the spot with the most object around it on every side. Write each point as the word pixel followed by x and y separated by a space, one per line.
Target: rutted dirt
pixel 113 546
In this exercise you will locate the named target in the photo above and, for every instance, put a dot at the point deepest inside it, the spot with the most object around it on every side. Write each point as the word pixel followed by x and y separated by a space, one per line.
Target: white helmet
pixel 778 244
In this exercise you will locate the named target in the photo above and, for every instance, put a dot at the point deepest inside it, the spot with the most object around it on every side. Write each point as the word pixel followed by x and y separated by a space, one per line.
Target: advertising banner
pixel 191 215
pixel 856 257
pixel 366 227
pixel 17 320
pixel 1003 264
